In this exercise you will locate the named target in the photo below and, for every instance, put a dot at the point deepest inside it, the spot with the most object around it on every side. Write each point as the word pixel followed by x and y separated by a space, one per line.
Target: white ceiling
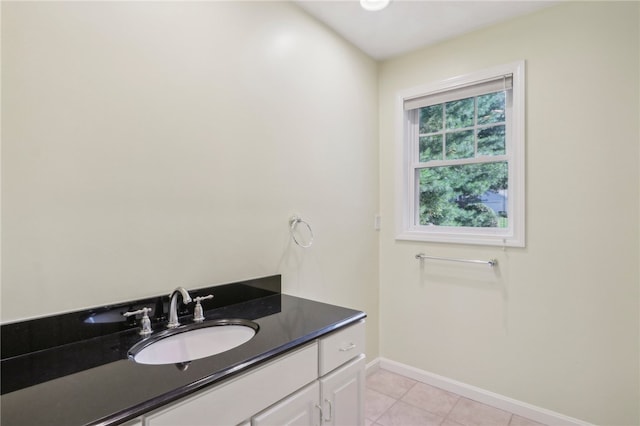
pixel 407 25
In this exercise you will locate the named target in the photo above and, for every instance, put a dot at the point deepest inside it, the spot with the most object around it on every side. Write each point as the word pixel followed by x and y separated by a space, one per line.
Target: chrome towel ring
pixel 293 224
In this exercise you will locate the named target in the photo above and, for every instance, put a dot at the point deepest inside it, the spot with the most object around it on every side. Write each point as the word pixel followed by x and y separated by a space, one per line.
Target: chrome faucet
pixel 173 305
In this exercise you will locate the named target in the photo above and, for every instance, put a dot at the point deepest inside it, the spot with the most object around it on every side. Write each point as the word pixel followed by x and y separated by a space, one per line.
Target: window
pixel 461 151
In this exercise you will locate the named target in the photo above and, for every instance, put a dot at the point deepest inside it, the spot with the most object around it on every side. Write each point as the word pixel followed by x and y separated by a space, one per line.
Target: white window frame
pixel 406 151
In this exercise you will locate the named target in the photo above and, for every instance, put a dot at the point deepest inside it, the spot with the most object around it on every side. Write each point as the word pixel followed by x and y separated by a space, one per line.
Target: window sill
pixel 497 238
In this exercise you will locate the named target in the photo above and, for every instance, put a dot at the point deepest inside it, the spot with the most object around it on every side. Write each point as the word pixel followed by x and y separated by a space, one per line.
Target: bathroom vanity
pixel 304 364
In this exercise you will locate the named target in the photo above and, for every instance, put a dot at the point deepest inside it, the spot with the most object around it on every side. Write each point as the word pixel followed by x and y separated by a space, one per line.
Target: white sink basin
pixel 188 343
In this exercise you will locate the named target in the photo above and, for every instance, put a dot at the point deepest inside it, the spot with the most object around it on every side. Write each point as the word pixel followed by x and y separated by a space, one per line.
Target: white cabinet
pixel 300 409
pixel 342 393
pixel 236 400
pixel 337 398
pixel 321 383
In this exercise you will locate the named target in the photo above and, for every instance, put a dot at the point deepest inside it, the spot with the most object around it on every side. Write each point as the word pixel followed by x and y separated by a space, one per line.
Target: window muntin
pixel 463 160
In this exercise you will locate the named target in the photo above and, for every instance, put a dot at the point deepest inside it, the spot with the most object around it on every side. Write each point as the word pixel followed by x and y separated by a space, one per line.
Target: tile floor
pixel 394 400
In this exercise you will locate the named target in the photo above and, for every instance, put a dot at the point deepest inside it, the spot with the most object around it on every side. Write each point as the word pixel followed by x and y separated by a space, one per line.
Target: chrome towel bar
pixel 491 262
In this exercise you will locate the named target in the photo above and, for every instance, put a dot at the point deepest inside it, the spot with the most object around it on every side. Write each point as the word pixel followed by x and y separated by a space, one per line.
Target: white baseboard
pixel 538 414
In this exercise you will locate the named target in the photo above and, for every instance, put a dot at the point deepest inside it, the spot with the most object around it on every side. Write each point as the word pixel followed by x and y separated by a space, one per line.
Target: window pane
pixel 491 141
pixel 491 108
pixel 431 119
pixel 472 195
pixel 460 113
pixel 430 148
pixel 460 145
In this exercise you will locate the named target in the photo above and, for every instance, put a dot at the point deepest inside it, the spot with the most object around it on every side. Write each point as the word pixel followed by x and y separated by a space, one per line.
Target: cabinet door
pixel 299 409
pixel 342 394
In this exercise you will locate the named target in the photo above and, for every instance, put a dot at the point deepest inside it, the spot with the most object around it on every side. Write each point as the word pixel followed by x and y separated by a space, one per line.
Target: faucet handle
pixel 146 322
pixel 198 314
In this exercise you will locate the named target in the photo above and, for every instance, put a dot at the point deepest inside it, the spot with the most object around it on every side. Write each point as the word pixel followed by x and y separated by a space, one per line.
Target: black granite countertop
pixel 85 377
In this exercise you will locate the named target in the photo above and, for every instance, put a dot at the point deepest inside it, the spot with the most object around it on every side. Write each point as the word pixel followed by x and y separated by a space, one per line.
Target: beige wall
pixel 556 325
pixel 149 145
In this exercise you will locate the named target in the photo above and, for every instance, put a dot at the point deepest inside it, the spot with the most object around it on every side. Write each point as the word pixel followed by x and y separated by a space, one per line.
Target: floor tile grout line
pixel 411 405
pixel 427 410
pixel 407 391
pixel 395 400
pixel 387 410
pixel 415 383
pixel 451 410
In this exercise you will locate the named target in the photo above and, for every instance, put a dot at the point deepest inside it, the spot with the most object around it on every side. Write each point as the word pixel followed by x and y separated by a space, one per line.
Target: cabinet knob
pixel 347 348
pixel 330 418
